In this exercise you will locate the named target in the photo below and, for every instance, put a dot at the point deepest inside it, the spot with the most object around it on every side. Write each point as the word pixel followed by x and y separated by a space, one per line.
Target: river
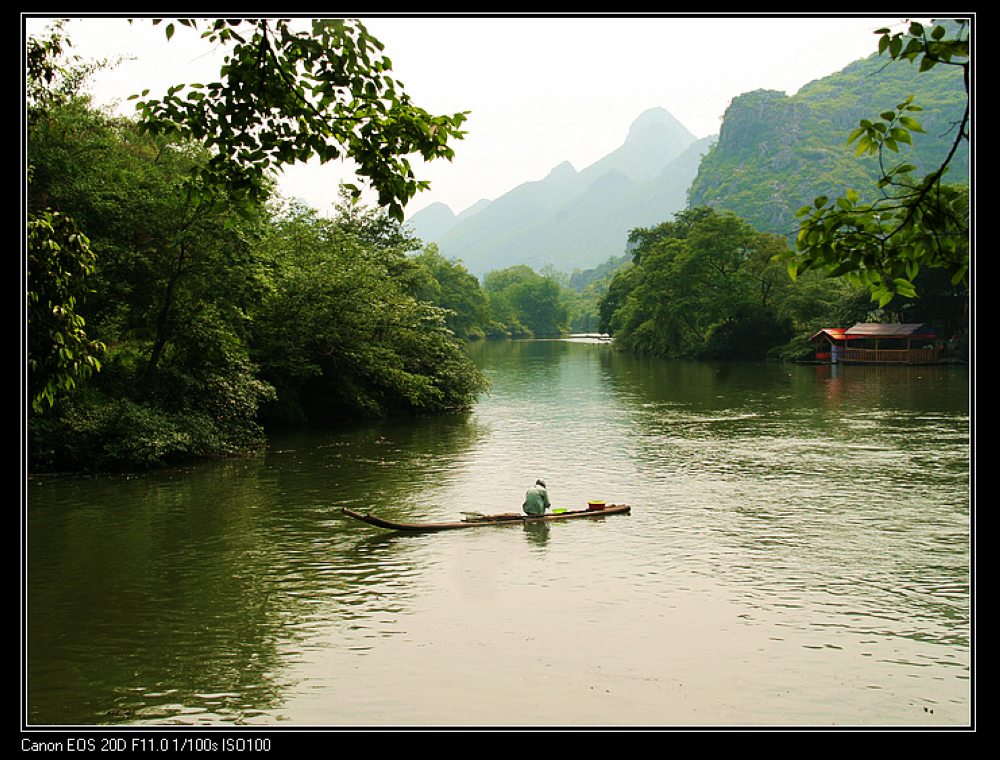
pixel 798 554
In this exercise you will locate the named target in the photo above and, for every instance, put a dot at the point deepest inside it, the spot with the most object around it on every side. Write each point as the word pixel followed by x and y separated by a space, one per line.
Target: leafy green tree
pixel 59 256
pixel 171 282
pixel 59 350
pixel 703 284
pixel 205 302
pixel 284 95
pixel 449 285
pixel 163 260
pixel 287 95
pixel 523 300
pixel 340 335
pixel 913 223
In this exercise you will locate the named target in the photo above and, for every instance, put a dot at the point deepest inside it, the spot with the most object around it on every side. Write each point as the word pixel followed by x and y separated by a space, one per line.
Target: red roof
pixel 836 333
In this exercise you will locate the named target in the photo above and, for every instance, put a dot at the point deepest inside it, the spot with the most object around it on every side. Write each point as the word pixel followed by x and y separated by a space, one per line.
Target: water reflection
pixel 790 526
pixel 537 533
pixel 187 591
pixel 820 490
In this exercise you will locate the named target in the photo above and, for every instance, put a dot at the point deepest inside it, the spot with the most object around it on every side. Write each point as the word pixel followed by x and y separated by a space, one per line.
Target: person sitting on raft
pixel 536 500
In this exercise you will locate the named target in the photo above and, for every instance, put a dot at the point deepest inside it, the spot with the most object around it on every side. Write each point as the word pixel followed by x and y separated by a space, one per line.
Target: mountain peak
pixel 659 119
pixel 565 169
pixel 654 140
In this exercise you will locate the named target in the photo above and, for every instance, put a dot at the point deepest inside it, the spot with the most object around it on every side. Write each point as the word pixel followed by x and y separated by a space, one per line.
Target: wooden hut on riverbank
pixel 878 343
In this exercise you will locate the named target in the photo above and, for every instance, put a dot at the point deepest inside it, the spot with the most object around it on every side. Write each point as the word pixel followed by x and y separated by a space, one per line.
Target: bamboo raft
pixel 478 521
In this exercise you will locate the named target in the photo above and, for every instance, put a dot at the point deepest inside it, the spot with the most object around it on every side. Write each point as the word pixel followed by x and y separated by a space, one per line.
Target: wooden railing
pixel 887 356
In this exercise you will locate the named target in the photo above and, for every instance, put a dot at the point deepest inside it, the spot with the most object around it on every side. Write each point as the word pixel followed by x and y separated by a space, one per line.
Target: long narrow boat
pixel 480 521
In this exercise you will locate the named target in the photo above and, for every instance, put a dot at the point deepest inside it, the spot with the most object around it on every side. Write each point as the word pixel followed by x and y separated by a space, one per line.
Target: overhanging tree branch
pixel 884 244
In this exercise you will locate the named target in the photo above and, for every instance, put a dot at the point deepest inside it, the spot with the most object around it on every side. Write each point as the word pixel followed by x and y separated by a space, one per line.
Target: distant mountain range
pixel 574 219
pixel 774 154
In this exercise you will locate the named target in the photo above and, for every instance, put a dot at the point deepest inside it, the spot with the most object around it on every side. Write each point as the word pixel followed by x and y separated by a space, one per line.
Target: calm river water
pixel 798 554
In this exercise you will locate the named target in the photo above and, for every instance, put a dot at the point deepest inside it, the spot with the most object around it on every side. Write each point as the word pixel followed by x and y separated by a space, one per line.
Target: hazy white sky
pixel 540 90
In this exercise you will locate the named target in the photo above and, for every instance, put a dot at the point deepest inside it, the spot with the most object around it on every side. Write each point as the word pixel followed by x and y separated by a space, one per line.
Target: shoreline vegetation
pixel 178 309
pixel 213 322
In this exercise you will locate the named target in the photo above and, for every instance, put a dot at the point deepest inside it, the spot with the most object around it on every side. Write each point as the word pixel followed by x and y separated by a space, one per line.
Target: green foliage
pixel 703 284
pixel 523 302
pixel 340 335
pixel 286 96
pixel 913 223
pixel 93 432
pixel 449 285
pixel 60 352
pixel 59 255
pixel 205 305
pixel 52 77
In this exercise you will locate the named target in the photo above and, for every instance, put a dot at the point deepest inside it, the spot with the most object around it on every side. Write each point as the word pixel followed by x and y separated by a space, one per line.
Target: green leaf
pixel 905 287
pixel 910 123
pixel 901 135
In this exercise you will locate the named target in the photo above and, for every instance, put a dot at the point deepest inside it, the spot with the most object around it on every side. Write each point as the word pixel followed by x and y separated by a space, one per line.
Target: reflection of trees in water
pixel 380 466
pixel 181 595
pixel 852 480
pixel 147 599
pixel 192 594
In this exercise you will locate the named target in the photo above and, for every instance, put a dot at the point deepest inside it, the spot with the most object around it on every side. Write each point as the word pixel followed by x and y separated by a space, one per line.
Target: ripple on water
pixel 798 552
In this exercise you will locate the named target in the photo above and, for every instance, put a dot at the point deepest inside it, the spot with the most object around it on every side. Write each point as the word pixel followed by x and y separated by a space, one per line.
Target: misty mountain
pixel 575 219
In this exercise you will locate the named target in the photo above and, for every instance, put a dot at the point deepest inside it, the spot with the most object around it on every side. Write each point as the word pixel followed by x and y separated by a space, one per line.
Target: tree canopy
pixel 703 284
pixel 285 94
pixel 210 310
pixel 523 301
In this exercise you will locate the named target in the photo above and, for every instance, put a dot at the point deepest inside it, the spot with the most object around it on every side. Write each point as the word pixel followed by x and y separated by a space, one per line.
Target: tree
pixel 60 352
pixel 913 222
pixel 449 285
pixel 338 334
pixel 521 299
pixel 60 257
pixel 287 96
pixel 283 96
pixel 702 284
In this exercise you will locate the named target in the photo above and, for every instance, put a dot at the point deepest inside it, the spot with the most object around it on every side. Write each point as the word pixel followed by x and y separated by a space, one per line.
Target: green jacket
pixel 536 501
